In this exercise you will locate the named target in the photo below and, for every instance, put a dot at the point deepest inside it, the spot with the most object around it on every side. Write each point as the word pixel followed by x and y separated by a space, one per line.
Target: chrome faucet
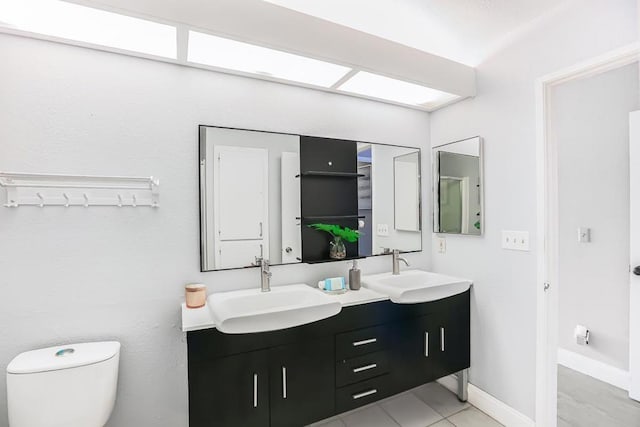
pixel 265 274
pixel 396 261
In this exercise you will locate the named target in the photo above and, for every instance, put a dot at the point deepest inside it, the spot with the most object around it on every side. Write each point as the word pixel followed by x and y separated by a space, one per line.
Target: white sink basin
pixel 252 310
pixel 414 286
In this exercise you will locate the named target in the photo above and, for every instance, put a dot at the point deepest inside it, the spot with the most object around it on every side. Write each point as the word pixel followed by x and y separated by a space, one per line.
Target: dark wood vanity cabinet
pixel 301 375
pixel 230 391
pixel 302 382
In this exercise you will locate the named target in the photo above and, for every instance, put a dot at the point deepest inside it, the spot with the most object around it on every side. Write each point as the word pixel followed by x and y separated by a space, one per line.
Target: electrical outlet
pixel 383 229
pixel 442 245
pixel 515 240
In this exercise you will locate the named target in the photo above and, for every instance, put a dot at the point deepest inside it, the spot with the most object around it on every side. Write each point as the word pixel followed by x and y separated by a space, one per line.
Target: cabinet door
pixel 413 352
pixel 232 391
pixel 302 382
pixel 451 346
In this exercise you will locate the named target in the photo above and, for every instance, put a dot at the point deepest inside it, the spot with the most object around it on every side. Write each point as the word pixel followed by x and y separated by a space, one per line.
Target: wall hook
pixel 43 190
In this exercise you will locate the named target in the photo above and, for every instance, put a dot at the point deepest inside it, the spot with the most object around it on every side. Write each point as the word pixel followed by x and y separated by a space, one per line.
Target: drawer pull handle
pixel 426 344
pixel 441 339
pixel 365 368
pixel 284 382
pixel 255 390
pixel 364 394
pixel 364 342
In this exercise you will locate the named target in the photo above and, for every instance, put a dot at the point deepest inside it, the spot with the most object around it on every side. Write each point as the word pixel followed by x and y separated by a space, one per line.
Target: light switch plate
pixel 442 245
pixel 383 229
pixel 584 235
pixel 515 240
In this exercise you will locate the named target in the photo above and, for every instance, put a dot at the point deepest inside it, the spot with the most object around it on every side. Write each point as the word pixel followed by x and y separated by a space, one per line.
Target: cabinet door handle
pixel 284 382
pixel 261 229
pixel 364 342
pixel 364 394
pixel 426 344
pixel 364 368
pixel 441 339
pixel 255 390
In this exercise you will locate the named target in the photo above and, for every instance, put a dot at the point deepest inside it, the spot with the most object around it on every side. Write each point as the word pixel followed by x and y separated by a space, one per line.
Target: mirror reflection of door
pixel 406 192
pixel 451 205
pixel 241 205
pixel 290 199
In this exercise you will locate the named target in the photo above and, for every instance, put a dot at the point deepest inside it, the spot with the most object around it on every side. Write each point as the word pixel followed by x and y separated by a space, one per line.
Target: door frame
pixel 547 225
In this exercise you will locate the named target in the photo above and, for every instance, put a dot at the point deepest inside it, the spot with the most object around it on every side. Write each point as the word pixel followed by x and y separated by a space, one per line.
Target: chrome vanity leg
pixel 463 382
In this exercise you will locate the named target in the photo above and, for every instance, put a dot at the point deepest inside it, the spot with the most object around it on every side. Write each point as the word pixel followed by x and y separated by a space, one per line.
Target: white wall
pixel 503 322
pixel 589 122
pixel 101 273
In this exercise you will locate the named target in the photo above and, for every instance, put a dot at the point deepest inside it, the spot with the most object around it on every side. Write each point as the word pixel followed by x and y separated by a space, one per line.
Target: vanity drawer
pixel 361 368
pixel 363 393
pixel 362 341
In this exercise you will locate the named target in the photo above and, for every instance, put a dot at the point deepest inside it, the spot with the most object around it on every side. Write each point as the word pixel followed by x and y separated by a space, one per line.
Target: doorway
pixel 589 126
pixel 566 219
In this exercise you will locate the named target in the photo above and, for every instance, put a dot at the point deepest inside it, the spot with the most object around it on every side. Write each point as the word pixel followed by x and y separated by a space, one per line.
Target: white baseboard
pixel 594 368
pixel 491 406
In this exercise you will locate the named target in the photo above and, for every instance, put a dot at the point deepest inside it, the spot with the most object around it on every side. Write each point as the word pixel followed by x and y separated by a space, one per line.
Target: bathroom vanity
pixel 300 375
pixel 292 355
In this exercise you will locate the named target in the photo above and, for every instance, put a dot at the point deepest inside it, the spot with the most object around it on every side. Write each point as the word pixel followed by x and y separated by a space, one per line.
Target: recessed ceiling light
pixel 233 55
pixel 85 24
pixel 381 87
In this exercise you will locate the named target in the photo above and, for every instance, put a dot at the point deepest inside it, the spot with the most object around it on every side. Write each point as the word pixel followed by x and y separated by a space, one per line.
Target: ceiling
pixel 465 31
pixel 388 46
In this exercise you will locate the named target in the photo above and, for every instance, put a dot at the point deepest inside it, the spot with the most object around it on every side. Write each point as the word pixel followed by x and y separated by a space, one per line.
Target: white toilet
pixel 71 386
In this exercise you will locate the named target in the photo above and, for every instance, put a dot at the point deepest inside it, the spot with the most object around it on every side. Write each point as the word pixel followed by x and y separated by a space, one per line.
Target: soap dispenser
pixel 354 276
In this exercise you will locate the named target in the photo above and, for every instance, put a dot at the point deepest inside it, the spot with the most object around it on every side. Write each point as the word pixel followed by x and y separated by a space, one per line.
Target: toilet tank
pixel 72 385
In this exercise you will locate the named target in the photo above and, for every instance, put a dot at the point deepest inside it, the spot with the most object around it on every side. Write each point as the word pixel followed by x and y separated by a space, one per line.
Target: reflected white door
pixel 241 211
pixel 634 296
pixel 290 192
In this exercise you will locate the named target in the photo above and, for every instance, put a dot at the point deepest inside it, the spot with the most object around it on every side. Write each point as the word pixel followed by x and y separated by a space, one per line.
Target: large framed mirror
pixel 458 187
pixel 281 196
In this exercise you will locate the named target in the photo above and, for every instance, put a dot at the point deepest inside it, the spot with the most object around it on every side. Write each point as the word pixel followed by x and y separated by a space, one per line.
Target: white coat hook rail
pixel 25 189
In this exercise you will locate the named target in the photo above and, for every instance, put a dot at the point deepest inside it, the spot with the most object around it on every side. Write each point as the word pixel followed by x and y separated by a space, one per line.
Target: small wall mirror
pixel 458 187
pixel 286 198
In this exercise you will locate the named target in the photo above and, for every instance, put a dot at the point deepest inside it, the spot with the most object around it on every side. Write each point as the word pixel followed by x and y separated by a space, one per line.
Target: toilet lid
pixel 63 357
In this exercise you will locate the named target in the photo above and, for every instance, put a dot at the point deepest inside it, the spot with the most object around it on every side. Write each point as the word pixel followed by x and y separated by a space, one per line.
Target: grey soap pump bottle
pixel 354 276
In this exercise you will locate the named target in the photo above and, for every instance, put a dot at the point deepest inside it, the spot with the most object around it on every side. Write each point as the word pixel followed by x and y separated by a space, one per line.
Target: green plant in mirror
pixel 345 233
pixel 337 249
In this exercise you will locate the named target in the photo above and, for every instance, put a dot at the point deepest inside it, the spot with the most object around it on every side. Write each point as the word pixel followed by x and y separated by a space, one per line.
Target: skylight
pixel 381 87
pixel 84 24
pixel 233 55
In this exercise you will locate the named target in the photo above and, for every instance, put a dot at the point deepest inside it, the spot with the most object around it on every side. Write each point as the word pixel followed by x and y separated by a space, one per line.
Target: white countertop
pixel 194 319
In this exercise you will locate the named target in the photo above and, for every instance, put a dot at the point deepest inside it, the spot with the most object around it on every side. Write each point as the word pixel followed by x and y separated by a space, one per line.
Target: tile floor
pixel 428 405
pixel 584 401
